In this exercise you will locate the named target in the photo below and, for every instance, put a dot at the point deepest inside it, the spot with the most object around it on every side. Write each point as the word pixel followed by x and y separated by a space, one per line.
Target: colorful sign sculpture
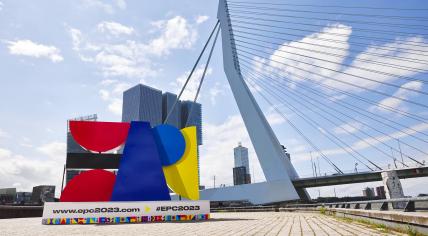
pixel 152 160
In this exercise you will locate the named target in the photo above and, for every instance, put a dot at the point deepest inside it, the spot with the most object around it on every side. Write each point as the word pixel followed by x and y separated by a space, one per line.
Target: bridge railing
pixel 406 204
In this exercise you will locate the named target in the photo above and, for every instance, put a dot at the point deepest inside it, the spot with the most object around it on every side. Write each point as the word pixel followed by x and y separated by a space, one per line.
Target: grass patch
pixel 323 210
pixel 381 227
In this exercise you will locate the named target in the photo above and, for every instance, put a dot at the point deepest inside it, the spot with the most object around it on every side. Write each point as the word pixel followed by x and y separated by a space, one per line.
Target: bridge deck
pixel 361 177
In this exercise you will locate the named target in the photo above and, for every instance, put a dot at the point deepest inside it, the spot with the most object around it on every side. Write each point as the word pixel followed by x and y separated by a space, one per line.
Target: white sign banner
pixel 55 210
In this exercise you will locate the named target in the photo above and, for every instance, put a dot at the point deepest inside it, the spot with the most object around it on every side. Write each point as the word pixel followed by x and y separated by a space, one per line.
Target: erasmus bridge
pixel 305 59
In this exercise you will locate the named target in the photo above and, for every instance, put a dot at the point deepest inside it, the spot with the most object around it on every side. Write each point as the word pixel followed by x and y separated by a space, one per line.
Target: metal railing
pixel 406 204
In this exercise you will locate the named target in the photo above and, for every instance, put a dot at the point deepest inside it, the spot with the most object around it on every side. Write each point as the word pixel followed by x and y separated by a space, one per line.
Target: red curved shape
pixel 99 136
pixel 89 186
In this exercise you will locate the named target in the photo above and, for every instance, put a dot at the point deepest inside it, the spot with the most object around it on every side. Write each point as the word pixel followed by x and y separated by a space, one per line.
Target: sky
pixel 61 60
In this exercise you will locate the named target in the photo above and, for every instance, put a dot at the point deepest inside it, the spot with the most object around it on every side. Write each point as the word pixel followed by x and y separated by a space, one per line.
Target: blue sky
pixel 66 59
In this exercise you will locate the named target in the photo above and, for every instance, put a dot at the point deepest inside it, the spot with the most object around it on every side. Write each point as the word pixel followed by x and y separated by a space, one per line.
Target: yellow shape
pixel 146 209
pixel 182 176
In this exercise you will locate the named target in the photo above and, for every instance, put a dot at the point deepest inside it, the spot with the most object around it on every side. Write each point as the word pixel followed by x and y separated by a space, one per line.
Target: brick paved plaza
pixel 253 223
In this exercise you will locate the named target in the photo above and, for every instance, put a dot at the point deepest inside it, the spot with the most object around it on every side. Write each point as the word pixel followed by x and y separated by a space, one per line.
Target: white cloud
pixel 402 48
pixel 4 153
pixel 191 88
pixel 121 4
pixel 105 95
pixel 396 135
pixel 132 58
pixel 115 106
pixel 108 8
pixel 201 19
pixel 216 157
pixel 403 93
pixel 215 91
pixel 219 141
pixel 274 117
pixel 351 127
pixel 285 60
pixel 32 49
pixel 114 28
pixel 364 143
pixel 55 150
pixel 286 54
pixel 1 6
pixel 3 134
pixel 176 33
pixel 129 59
pixel 24 173
pixel 111 92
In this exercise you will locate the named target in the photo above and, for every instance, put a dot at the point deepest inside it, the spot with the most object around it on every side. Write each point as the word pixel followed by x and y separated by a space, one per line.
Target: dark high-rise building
pixel 191 115
pixel 239 175
pixel 168 101
pixel 43 193
pixel 142 103
pixel 7 195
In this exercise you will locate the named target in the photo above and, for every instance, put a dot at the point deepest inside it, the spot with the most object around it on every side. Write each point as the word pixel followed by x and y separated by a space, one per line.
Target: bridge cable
pixel 350 117
pixel 337 71
pixel 370 30
pixel 337 169
pixel 337 63
pixel 341 81
pixel 348 105
pixel 418 52
pixel 277 9
pixel 314 124
pixel 395 57
pixel 359 98
pixel 354 58
pixel 326 6
pixel 244 53
pixel 203 74
pixel 381 24
pixel 329 120
pixel 346 36
pixel 191 73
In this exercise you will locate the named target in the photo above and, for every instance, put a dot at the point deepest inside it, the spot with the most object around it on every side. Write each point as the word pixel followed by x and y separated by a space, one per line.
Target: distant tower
pixel 241 160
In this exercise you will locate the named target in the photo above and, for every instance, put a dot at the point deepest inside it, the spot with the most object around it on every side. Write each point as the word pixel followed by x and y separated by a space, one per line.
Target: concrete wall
pixel 7 212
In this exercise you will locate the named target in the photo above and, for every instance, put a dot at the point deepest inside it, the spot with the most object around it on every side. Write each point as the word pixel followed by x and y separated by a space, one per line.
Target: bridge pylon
pixel 276 166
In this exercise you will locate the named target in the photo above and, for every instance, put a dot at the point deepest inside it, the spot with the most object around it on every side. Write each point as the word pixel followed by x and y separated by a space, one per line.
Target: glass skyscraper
pixel 142 103
pixel 191 115
pixel 174 119
pixel 240 154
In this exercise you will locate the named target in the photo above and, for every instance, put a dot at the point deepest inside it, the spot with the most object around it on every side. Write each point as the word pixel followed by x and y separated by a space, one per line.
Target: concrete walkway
pixel 251 223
